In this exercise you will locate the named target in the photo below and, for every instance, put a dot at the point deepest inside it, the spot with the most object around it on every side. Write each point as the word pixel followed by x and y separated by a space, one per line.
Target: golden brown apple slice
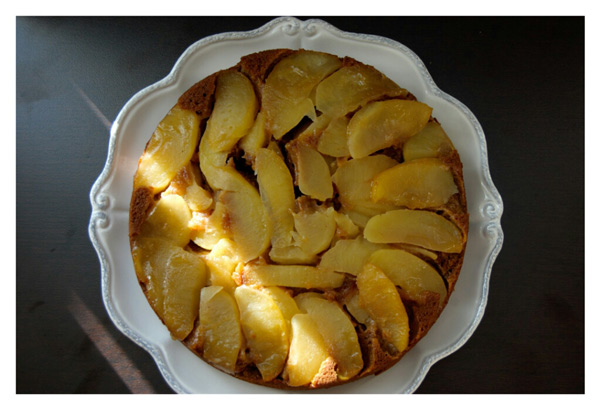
pixel 380 298
pixel 170 220
pixel 334 139
pixel 352 86
pixel 185 276
pixel 337 332
pixel 208 230
pixel 291 254
pixel 187 185
pixel 314 230
pixel 276 188
pixel 286 304
pixel 222 261
pixel 172 278
pixel 172 145
pixel 352 304
pixel 431 142
pixel 256 137
pixel 298 276
pixel 286 94
pixel 416 184
pixel 345 227
pixel 220 328
pixel 233 113
pixel 232 117
pixel 409 272
pixel 307 351
pixel 265 330
pixel 418 227
pixel 349 256
pixel 382 124
pixel 312 173
pixel 250 226
pixel 353 182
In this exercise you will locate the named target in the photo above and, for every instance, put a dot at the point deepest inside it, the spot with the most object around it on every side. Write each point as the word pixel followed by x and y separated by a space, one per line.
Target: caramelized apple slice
pixel 232 117
pixel 208 230
pixel 418 227
pixel 409 272
pixel 353 182
pixel 222 261
pixel 351 87
pixel 220 329
pixel 292 254
pixel 346 228
pixel 185 276
pixel 187 185
pixel 233 114
pixel 314 230
pixel 416 184
pixel 298 276
pixel 172 278
pixel 256 137
pixel 286 304
pixel 171 146
pixel 169 219
pixel 349 256
pixel 352 304
pixel 265 330
pixel 286 94
pixel 312 173
pixel 277 193
pixel 307 353
pixel 250 226
pixel 382 124
pixel 334 139
pixel 337 332
pixel 431 142
pixel 380 298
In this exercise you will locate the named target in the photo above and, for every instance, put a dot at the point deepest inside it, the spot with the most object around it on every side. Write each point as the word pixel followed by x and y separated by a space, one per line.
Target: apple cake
pixel 298 220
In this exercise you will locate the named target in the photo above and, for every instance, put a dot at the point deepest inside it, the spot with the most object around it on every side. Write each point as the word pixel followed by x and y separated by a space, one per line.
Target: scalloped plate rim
pixel 100 203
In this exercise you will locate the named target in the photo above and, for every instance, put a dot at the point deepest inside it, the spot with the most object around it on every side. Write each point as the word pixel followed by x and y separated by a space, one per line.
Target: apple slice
pixel 286 304
pixel 276 188
pixel 265 330
pixel 186 184
pixel 352 304
pixel 353 182
pixel 382 124
pixel 431 142
pixel 286 94
pixel 409 272
pixel 185 276
pixel 172 278
pixel 380 298
pixel 172 145
pixel 232 117
pixel 334 139
pixel 351 87
pixel 418 227
pixel 314 230
pixel 222 261
pixel 337 331
pixel 170 220
pixel 312 173
pixel 349 256
pixel 208 230
pixel 298 276
pixel 250 226
pixel 256 137
pixel 220 328
pixel 307 353
pixel 346 228
pixel 416 184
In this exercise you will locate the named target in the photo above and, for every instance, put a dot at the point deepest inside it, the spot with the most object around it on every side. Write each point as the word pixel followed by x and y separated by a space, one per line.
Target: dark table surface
pixel 523 78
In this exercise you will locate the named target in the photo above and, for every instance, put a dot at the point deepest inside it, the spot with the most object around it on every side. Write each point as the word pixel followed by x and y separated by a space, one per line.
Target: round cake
pixel 298 220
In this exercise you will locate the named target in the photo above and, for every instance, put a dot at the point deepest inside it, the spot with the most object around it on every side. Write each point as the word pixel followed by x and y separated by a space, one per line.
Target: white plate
pixel 134 125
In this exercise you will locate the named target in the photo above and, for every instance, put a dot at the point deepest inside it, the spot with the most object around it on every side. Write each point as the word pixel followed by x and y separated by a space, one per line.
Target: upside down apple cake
pixel 298 220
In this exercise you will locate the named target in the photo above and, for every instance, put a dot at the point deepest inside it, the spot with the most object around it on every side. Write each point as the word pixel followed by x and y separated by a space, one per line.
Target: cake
pixel 298 220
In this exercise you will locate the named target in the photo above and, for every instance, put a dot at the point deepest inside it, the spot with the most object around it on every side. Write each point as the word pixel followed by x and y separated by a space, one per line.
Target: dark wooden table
pixel 522 77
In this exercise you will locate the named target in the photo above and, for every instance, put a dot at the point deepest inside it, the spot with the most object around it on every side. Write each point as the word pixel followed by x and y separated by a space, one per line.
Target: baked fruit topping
pixel 298 220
